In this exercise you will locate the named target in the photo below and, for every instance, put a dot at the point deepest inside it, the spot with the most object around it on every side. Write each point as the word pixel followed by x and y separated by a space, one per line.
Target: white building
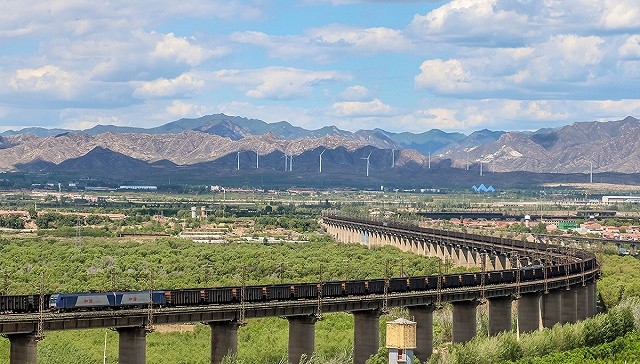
pixel 620 199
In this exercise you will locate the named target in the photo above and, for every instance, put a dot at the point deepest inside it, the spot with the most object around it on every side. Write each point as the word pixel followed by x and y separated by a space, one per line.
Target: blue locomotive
pixel 96 300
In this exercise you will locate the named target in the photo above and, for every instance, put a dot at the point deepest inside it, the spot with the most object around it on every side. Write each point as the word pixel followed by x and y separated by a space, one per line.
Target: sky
pixel 458 65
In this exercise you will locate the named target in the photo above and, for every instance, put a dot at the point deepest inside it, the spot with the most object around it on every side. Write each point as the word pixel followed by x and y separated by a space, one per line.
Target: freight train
pixel 65 302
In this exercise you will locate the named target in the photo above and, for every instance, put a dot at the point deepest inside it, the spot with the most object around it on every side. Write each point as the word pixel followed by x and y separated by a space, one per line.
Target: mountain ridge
pixel 612 146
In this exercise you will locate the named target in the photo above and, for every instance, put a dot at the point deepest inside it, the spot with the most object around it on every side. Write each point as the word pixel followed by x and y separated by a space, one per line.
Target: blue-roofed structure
pixel 483 188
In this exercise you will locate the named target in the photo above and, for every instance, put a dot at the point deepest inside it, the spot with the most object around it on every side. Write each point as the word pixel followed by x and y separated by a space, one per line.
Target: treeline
pixel 11 221
pixel 297 224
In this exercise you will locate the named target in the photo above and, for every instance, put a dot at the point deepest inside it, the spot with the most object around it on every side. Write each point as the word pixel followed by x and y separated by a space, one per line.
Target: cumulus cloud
pixel 355 93
pixel 621 14
pixel 508 23
pixel 631 47
pixel 554 65
pixel 49 79
pixel 184 84
pixel 277 82
pixel 181 109
pixel 471 21
pixel 362 108
pixel 323 42
pixel 45 17
pixel 372 40
pixel 443 76
pixel 171 47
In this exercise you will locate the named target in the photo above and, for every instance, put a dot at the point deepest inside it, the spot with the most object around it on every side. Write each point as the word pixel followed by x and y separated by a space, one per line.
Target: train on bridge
pixel 64 302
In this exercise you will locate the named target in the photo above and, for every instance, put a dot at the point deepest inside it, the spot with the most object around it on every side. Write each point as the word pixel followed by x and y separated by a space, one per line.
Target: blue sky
pixel 458 65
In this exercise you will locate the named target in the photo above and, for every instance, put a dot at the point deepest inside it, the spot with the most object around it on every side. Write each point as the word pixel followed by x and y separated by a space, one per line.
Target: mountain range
pixel 220 144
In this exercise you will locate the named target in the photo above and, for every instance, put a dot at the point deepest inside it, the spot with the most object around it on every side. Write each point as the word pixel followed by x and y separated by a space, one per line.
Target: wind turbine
pixel 480 167
pixel 590 171
pixel 321 153
pixel 291 163
pixel 285 161
pixel 257 159
pixel 238 157
pixel 393 158
pixel 367 162
pixel 429 159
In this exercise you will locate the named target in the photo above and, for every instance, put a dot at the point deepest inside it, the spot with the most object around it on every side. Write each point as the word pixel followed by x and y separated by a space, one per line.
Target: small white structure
pixel 401 340
pixel 620 199
pixel 143 188
pixel 194 212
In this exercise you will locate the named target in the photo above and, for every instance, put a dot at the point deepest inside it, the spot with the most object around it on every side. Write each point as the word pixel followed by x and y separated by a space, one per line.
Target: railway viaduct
pixel 541 302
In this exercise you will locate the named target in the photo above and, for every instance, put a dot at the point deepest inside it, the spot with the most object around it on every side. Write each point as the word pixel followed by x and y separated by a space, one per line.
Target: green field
pixel 180 263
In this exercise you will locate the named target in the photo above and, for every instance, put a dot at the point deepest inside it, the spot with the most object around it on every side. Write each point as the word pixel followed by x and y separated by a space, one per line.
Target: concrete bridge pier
pixel 529 312
pixel 301 337
pixel 499 315
pixel 224 339
pixel 568 304
pixel 464 321
pixel 551 308
pixel 366 334
pixel 423 316
pixel 23 348
pixel 582 302
pixel 592 298
pixel 132 343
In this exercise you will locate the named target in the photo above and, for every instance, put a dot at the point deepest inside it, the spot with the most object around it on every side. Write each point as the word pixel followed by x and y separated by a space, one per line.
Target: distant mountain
pixel 100 129
pixel 41 132
pixel 612 146
pixel 427 142
pixel 217 141
pixel 236 128
pixel 477 138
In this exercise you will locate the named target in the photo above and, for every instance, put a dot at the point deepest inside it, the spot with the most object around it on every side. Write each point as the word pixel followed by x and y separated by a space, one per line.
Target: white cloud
pixel 49 79
pixel 471 21
pixel 616 108
pixel 323 43
pixel 181 109
pixel 370 40
pixel 362 109
pixel 171 47
pixel 631 47
pixel 621 14
pixel 553 65
pixel 539 110
pixel 46 17
pixel 439 117
pixel 355 93
pixel 508 22
pixel 443 76
pixel 186 83
pixel 277 82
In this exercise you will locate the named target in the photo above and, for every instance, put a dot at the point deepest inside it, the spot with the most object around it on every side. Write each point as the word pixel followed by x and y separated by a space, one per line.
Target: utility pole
pixel 149 325
pixel 40 329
